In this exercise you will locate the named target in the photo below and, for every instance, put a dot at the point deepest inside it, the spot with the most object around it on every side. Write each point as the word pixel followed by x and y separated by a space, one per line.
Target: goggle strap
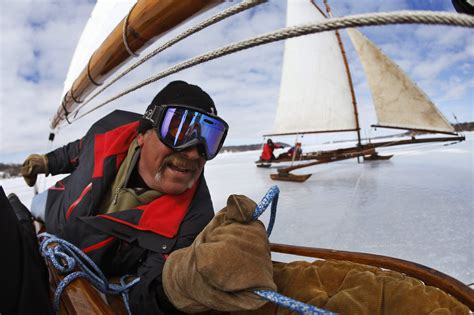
pixel 150 115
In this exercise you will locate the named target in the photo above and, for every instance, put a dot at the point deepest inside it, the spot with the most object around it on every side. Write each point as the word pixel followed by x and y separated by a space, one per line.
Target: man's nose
pixel 191 153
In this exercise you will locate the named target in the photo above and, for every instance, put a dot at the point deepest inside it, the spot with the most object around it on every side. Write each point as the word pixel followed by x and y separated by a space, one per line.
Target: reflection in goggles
pixel 181 126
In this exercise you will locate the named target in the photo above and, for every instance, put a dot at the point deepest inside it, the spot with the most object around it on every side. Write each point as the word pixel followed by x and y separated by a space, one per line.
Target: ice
pixel 418 206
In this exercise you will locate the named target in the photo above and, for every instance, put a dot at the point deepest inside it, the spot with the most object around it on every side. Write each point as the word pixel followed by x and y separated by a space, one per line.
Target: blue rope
pixel 271 197
pixel 289 303
pixel 64 257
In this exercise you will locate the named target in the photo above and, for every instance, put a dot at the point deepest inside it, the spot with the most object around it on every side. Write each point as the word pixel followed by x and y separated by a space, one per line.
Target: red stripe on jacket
pixel 114 142
pixel 76 202
pixel 162 216
pixel 98 245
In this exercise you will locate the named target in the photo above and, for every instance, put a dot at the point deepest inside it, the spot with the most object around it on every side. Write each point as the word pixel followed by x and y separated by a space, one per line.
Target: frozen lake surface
pixel 418 206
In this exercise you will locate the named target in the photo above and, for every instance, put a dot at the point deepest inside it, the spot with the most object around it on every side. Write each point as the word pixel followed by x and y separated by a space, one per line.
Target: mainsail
pixel 398 101
pixel 314 91
pixel 315 95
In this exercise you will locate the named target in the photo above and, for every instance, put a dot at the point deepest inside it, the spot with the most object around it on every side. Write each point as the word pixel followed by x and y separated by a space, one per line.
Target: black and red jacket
pixel 134 241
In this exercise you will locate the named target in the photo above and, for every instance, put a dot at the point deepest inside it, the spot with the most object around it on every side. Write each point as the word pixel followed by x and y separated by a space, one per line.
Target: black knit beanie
pixel 182 93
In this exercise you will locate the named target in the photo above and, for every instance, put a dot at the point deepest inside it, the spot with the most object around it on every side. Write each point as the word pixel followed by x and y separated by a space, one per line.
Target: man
pixel 295 150
pixel 268 148
pixel 137 193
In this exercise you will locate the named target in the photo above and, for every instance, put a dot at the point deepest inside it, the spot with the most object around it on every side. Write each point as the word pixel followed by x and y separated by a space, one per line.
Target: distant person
pixel 268 148
pixel 134 201
pixel 295 150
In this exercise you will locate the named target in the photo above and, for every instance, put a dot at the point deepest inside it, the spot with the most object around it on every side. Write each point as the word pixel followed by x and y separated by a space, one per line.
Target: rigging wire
pixel 245 5
pixel 359 20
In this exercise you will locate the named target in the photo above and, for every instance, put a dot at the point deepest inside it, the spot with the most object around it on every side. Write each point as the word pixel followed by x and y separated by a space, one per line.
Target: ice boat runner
pixel 455 295
pixel 317 94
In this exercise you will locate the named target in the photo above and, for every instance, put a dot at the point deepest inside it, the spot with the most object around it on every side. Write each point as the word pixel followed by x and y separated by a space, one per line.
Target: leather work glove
pixel 227 261
pixel 34 164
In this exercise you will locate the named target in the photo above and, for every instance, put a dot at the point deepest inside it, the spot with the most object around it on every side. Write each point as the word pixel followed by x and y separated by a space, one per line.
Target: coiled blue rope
pixel 271 197
pixel 64 257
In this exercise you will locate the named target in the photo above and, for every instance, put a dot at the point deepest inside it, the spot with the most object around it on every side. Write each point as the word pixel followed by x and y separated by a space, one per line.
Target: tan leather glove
pixel 34 164
pixel 227 261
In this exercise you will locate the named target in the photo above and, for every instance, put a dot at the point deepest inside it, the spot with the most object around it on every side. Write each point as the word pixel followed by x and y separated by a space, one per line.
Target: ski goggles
pixel 180 127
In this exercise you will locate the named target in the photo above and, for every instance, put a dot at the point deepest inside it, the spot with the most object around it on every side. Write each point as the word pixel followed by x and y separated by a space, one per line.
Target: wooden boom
pixel 147 20
pixel 428 275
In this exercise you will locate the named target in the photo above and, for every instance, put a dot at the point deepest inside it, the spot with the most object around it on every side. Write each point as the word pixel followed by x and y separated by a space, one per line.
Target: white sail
pixel 104 18
pixel 398 102
pixel 314 90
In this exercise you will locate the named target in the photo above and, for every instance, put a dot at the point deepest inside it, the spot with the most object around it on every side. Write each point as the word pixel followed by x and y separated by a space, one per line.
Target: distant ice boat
pixel 317 94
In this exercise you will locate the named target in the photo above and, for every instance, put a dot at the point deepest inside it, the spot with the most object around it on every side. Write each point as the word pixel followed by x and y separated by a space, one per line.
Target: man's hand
pixel 34 164
pixel 227 261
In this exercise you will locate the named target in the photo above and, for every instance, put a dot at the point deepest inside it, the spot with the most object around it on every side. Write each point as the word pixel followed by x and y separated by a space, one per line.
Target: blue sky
pixel 38 39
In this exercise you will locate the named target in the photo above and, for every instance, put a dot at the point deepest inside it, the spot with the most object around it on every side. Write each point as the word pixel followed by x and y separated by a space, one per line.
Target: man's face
pixel 165 170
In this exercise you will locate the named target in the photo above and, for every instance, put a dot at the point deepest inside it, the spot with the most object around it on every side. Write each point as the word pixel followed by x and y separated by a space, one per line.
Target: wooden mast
pixel 349 77
pixel 147 20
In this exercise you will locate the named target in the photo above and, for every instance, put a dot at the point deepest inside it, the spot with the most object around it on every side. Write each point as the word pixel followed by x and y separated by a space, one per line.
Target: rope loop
pixel 64 256
pixel 124 33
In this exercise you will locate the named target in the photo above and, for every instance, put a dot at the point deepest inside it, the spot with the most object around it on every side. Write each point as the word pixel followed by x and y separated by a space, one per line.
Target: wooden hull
pixel 427 275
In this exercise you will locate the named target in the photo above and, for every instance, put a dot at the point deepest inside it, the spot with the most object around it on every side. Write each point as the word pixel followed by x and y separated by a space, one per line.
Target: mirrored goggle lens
pixel 181 126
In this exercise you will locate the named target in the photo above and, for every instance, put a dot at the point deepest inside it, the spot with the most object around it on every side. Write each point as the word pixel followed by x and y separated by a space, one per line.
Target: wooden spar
pixel 147 20
pixel 428 275
pixel 349 77
pixel 416 129
pixel 79 297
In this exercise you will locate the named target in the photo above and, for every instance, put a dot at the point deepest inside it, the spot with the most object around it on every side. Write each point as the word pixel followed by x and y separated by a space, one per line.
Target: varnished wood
pixel 79 297
pixel 148 20
pixel 428 275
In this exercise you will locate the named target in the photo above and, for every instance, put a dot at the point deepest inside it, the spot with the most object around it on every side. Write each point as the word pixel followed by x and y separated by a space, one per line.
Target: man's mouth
pixel 181 169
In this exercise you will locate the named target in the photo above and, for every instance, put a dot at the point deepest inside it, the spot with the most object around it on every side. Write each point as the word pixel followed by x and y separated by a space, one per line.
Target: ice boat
pixel 317 95
pixel 129 35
